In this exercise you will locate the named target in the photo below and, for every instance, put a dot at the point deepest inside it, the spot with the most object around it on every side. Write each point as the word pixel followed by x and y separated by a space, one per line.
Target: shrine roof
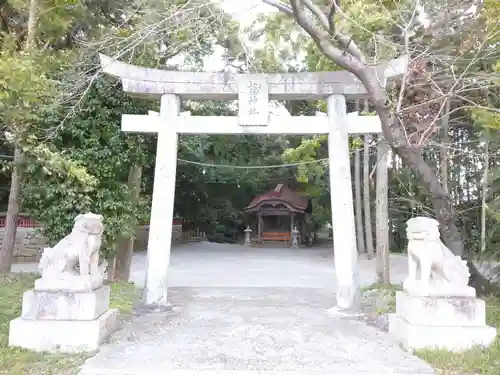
pixel 280 193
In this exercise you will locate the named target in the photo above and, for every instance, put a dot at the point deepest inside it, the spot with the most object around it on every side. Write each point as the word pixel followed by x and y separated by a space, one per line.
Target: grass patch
pixel 386 295
pixel 392 287
pixel 123 296
pixel 15 361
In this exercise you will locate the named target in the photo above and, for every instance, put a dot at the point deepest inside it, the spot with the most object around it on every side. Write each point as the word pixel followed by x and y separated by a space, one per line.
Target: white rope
pixel 251 166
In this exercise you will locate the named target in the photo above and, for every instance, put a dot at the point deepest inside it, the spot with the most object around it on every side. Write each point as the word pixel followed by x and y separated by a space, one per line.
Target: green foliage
pixel 487 120
pixel 91 141
pixel 22 103
pixel 314 175
pixel 55 17
pixel 493 219
pixel 371 23
pixel 214 198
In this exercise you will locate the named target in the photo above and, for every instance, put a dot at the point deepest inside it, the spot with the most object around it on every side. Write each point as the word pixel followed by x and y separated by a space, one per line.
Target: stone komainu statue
pixel 80 247
pixel 439 267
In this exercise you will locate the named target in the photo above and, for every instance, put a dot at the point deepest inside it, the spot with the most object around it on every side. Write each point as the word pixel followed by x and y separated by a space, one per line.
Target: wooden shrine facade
pixel 275 213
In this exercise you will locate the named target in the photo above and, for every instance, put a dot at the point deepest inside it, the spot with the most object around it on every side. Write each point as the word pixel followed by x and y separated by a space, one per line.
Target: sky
pixel 247 12
pixel 243 11
pixel 244 15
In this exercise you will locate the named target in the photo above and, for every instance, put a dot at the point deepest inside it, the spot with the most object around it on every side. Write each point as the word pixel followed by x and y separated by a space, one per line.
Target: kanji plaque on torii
pixel 253 100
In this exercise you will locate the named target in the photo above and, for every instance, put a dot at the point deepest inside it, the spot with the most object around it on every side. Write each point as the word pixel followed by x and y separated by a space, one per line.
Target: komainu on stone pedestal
pixel 437 309
pixel 68 310
pixel 80 247
pixel 441 272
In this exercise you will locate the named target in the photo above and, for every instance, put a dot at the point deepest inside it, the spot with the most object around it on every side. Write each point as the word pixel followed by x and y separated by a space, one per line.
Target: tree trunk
pixel 32 25
pixel 366 196
pixel 110 269
pixel 359 218
pixel 13 208
pixel 484 195
pixel 445 140
pixel 125 251
pixel 382 214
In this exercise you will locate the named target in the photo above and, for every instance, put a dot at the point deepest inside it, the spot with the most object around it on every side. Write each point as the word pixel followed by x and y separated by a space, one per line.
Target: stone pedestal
pixel 451 323
pixel 63 321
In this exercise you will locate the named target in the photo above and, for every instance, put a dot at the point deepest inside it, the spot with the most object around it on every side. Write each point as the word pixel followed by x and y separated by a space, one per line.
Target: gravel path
pixel 251 331
pixel 251 311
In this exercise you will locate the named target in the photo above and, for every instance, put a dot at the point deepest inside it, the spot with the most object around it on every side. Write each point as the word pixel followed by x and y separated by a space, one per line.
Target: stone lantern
pixel 295 237
pixel 248 233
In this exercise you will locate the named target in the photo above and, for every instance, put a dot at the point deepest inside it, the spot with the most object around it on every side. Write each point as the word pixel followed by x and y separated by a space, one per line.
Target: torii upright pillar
pixel 344 229
pixel 162 208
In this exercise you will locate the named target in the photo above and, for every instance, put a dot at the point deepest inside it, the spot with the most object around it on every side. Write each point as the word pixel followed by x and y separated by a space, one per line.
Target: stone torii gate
pixel 253 92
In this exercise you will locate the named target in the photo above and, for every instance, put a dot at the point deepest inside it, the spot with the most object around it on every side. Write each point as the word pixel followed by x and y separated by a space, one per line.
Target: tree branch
pixel 282 7
pixel 331 15
pixel 345 40
pixel 323 37
pixel 323 20
pixel 324 42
